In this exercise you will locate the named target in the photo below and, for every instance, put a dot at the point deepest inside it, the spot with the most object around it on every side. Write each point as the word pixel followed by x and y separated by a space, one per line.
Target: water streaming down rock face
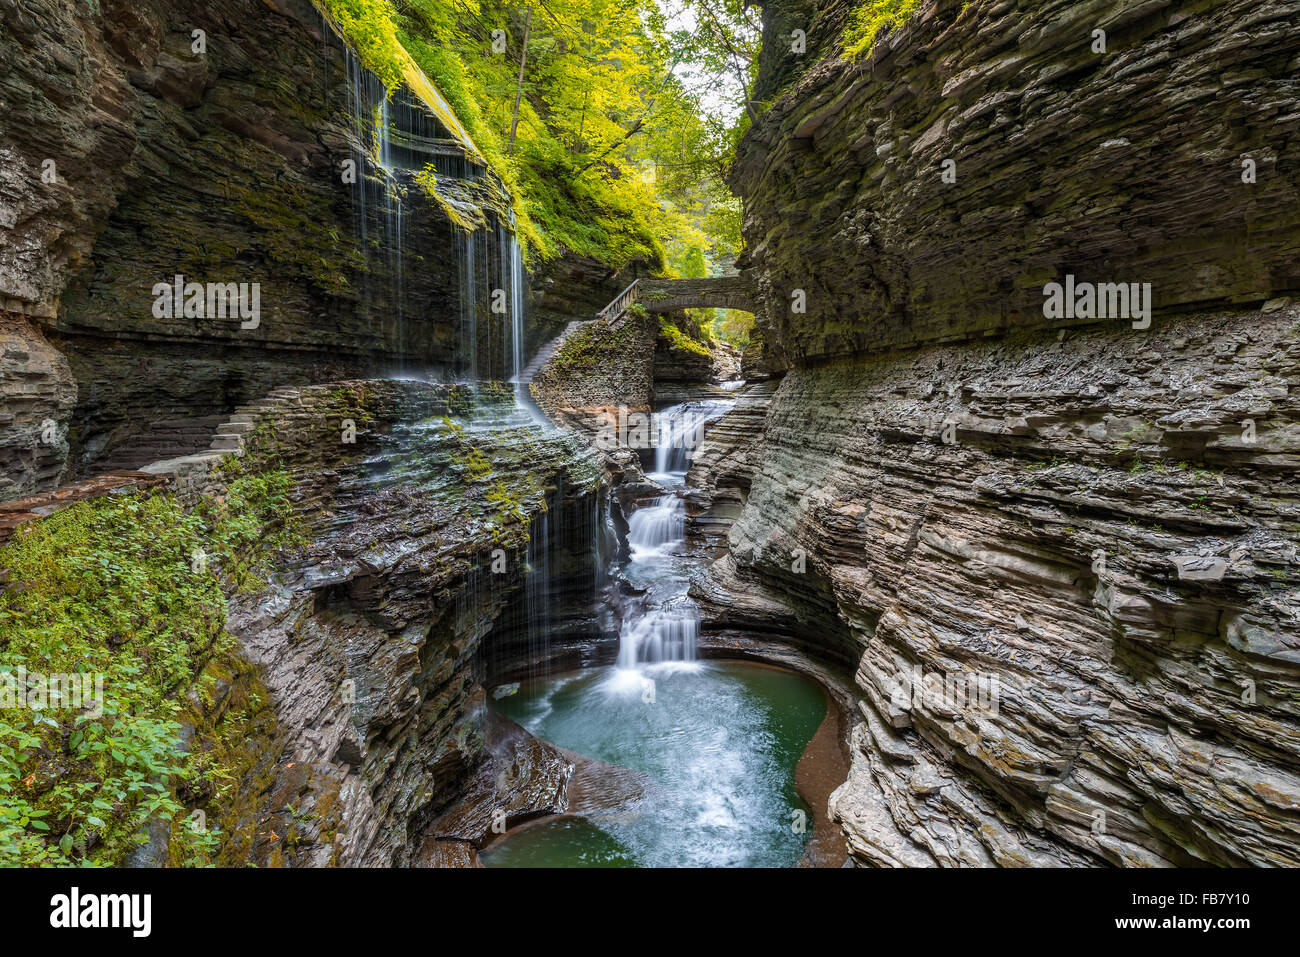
pixel 493 286
pixel 663 627
pixel 679 429
pixel 380 195
pixel 395 142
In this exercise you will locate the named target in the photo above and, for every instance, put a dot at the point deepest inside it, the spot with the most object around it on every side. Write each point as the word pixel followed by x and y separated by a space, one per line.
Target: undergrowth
pixel 129 589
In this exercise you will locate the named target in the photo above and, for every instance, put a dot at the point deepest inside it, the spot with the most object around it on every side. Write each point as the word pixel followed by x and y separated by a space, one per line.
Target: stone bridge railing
pixel 671 295
pixel 713 292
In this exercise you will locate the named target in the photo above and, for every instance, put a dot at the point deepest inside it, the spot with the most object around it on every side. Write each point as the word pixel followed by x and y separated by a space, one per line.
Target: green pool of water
pixel 718 742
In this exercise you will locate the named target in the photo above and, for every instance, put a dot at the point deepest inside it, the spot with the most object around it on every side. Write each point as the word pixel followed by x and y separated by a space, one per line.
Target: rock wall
pixel 598 369
pixel 129 158
pixel 370 642
pixel 1093 530
pixel 1113 556
pixel 39 393
pixel 1122 166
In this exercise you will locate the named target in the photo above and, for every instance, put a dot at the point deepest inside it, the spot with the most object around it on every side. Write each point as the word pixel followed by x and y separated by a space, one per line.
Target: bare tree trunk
pixel 519 86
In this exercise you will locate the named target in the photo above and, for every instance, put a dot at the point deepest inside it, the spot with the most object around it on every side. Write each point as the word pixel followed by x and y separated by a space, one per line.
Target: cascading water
pixel 714 744
pixel 654 526
pixel 512 261
pixel 381 195
pixel 663 627
pixel 468 305
pixel 679 429
pixel 492 291
pixel 394 139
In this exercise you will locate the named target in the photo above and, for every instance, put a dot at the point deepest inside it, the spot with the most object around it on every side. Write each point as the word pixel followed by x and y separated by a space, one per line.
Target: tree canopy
pixel 606 123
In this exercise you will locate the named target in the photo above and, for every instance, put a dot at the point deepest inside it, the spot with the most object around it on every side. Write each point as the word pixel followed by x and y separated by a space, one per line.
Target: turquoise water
pixel 718 743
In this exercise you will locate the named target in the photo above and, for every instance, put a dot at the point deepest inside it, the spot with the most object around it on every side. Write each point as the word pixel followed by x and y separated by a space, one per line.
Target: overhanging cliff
pixel 1118 166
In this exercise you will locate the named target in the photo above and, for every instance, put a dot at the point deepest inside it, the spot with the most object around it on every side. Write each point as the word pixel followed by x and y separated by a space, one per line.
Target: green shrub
pixel 130 588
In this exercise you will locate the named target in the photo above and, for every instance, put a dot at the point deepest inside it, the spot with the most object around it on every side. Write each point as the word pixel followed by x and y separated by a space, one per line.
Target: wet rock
pixel 1111 709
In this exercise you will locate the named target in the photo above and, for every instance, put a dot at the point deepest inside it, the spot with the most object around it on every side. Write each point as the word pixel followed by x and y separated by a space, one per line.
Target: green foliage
pixel 130 589
pixel 680 342
pixel 369 27
pixel 733 327
pixel 867 20
pixel 614 158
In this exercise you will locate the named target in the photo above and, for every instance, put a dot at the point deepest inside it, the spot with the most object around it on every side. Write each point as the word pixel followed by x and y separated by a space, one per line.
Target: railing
pixel 615 311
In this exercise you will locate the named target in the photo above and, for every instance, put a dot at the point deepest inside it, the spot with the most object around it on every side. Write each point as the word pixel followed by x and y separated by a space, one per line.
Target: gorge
pixel 471 533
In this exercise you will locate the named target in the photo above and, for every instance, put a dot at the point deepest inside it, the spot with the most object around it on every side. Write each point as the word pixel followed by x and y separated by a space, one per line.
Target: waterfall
pixel 537 597
pixel 658 638
pixel 512 267
pixel 679 429
pixel 663 628
pixel 468 306
pixel 373 126
pixel 653 527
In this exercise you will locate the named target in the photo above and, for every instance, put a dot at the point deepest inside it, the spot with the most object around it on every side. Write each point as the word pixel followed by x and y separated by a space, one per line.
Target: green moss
pixel 559 201
pixel 369 28
pixel 294 237
pixel 591 348
pixel 129 589
pixel 678 341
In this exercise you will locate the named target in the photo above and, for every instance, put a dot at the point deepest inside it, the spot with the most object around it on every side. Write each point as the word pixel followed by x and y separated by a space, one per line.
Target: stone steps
pixel 545 353
pixel 163 439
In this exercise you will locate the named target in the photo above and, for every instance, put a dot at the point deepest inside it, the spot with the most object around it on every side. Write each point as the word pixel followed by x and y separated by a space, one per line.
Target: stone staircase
pixel 188 470
pixel 616 312
pixel 165 439
pixel 545 353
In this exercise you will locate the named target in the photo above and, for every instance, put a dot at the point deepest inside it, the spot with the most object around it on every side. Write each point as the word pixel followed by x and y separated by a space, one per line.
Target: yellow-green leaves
pixel 867 20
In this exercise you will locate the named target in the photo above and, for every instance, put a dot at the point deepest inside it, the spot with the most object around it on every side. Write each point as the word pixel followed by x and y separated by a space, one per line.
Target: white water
pixel 679 430
pixel 660 632
pixel 654 527
pixel 665 626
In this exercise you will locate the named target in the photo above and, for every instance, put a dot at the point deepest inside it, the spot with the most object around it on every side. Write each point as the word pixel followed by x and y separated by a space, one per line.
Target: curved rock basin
pixel 718 744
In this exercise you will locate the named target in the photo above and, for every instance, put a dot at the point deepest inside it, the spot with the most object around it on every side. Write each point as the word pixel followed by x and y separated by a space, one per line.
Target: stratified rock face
pixel 39 392
pixel 422 533
pixel 599 369
pixel 1122 166
pixel 1098 536
pixel 1064 563
pixel 129 157
pixel 723 465
pixel 681 359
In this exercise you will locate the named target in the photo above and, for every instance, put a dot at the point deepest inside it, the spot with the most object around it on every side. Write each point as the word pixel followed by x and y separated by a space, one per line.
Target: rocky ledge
pixel 1097 533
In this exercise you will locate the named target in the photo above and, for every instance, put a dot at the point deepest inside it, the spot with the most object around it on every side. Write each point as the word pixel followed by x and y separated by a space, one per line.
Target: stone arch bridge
pixel 671 295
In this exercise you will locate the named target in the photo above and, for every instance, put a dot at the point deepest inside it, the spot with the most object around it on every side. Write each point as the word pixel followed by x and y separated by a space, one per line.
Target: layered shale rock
pixel 1062 562
pixel 137 150
pixel 345 705
pixel 39 393
pixel 370 641
pixel 1065 160
pixel 1102 539
pixel 722 466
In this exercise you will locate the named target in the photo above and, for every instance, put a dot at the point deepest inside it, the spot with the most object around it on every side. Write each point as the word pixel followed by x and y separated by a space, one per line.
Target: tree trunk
pixel 519 86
